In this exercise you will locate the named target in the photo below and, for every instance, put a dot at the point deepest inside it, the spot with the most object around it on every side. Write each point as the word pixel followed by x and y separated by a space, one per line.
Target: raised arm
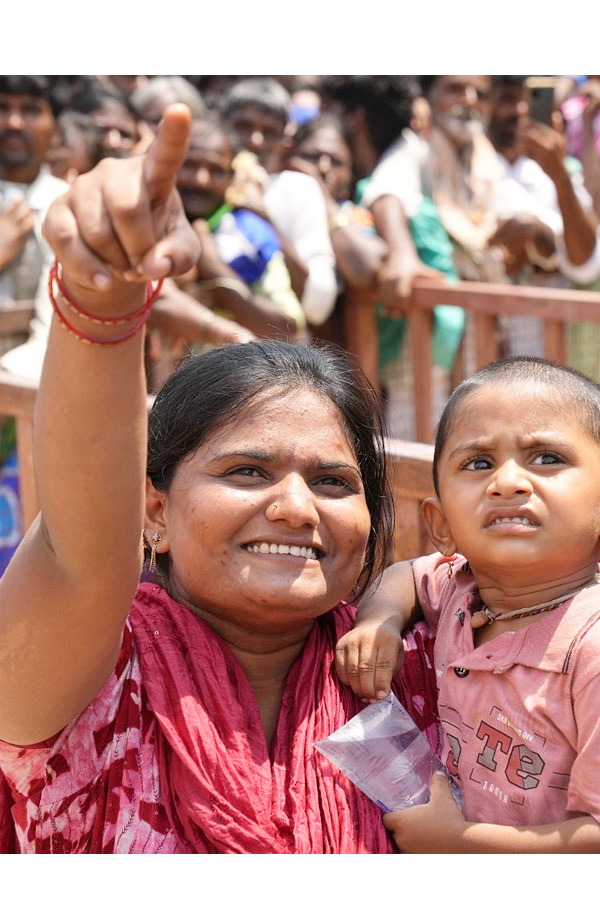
pixel 65 596
pixel 591 160
pixel 546 146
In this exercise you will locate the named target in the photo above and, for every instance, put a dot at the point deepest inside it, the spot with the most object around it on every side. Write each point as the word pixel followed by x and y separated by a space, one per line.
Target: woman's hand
pixel 367 658
pixel 397 277
pixel 124 221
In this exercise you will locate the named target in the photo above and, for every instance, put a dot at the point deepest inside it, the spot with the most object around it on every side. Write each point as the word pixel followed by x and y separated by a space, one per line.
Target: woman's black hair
pixel 577 392
pixel 209 391
pixel 326 120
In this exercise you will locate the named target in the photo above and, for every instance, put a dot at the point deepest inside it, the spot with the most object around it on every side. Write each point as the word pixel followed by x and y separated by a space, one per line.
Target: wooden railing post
pixel 485 337
pixel 555 341
pixel 410 472
pixel 360 336
pixel 420 330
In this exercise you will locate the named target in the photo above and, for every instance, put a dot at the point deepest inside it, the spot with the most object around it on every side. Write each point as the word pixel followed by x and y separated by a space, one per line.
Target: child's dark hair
pixel 211 390
pixel 577 390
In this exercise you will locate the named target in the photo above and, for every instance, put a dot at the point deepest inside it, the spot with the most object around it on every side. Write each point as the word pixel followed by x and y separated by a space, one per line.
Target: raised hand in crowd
pixel 547 146
pixel 591 159
pixel 16 224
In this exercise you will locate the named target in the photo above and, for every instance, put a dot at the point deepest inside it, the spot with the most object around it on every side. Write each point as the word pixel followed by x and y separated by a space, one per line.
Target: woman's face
pixel 328 151
pixel 266 523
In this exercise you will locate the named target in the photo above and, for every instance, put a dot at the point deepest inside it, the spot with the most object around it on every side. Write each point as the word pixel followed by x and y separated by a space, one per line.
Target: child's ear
pixel 437 526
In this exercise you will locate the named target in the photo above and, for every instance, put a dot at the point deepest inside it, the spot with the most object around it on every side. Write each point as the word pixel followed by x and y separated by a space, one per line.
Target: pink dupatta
pixel 171 756
pixel 222 791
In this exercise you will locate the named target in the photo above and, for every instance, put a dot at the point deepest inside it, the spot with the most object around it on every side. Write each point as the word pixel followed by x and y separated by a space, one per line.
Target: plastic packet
pixel 383 753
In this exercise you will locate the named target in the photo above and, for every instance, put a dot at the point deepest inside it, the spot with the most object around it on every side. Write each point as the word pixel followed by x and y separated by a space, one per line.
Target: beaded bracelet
pixel 142 313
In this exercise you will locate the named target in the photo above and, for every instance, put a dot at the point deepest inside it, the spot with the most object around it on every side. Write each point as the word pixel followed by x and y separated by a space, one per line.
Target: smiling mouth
pixel 284 550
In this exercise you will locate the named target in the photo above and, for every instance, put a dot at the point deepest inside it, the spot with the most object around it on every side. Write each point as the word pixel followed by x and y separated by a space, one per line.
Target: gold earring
pixel 156 539
pixel 448 553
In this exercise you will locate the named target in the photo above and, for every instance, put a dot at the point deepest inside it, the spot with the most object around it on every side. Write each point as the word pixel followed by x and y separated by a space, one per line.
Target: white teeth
pixel 520 519
pixel 282 550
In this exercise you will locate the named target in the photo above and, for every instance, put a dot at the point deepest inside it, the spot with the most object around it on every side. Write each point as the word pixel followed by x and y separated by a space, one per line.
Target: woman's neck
pixel 266 659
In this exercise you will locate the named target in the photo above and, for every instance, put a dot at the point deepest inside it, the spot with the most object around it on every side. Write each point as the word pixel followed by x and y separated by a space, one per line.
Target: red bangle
pixel 142 313
pixel 87 339
pixel 151 296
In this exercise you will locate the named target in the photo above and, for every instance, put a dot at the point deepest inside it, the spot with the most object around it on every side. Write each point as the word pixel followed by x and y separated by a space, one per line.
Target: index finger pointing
pixel 166 155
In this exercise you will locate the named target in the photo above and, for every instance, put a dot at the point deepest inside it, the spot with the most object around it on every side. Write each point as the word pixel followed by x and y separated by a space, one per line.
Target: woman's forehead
pixel 299 412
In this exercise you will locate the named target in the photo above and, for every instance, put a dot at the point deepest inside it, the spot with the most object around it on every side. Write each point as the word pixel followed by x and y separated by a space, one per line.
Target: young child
pixel 514 597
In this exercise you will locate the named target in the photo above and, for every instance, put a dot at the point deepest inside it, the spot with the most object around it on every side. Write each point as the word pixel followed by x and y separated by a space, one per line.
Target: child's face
pixel 520 485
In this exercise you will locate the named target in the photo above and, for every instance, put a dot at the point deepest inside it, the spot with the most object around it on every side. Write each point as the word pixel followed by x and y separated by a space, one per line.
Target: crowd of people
pixel 302 187
pixel 205 231
pixel 304 190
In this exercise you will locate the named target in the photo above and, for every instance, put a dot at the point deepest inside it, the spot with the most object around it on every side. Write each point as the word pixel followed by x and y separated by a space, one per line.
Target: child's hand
pixel 434 827
pixel 367 658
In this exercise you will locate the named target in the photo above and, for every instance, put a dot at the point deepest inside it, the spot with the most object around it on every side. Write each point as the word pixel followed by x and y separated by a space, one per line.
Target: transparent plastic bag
pixel 383 753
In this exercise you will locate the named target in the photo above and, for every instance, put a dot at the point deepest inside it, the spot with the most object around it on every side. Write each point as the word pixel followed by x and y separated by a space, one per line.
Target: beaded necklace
pixel 485 616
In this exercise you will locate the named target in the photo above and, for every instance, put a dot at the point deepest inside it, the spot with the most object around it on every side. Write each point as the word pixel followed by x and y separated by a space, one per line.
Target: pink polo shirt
pixel 521 713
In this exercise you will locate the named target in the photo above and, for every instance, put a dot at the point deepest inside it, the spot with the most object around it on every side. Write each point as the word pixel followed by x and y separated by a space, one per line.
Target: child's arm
pixel 369 655
pixel 439 827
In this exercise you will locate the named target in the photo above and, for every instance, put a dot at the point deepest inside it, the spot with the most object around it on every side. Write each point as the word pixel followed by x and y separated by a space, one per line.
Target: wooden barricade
pixel 411 481
pixel 484 304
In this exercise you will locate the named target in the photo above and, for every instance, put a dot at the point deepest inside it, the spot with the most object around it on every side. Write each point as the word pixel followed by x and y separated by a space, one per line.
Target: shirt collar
pixel 548 644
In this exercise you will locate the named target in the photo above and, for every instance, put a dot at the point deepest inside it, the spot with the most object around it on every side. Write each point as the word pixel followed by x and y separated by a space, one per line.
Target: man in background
pixel 27 124
pixel 258 110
